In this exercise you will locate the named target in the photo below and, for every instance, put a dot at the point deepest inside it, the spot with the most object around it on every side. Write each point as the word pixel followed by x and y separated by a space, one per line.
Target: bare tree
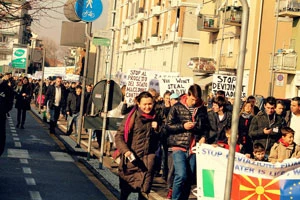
pixel 13 11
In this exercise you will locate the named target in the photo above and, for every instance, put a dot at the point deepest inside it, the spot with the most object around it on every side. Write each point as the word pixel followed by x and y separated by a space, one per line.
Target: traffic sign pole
pixel 108 84
pixel 88 33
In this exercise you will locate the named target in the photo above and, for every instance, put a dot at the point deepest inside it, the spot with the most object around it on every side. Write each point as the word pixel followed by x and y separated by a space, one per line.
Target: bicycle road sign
pixel 88 10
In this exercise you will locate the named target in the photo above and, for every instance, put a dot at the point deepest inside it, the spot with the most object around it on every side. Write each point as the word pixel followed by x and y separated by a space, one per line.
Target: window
pixel 3 38
pixel 2 56
pixel 230 46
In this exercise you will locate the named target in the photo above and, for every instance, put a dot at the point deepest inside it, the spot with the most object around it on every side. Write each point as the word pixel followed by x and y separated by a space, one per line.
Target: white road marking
pixel 35 195
pixel 17 153
pixel 13 131
pixel 26 170
pixel 30 181
pixel 15 135
pixel 23 161
pixel 61 156
pixel 16 139
pixel 18 144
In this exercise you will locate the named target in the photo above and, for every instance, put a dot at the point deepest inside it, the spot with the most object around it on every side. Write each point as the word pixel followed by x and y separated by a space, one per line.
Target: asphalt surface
pixel 37 166
pixel 108 173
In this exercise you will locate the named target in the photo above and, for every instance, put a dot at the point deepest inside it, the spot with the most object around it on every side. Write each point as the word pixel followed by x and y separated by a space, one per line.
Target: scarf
pixel 283 142
pixel 146 117
pixel 128 125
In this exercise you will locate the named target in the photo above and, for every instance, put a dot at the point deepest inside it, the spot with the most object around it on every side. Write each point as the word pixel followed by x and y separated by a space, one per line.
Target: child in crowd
pixel 285 148
pixel 259 152
pixel 226 143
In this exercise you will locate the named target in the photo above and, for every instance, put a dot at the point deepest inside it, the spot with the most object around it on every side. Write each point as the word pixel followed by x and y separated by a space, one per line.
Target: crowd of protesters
pixel 265 133
pixel 158 133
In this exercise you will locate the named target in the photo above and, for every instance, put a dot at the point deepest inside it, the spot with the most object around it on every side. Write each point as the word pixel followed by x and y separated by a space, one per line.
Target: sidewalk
pixel 108 175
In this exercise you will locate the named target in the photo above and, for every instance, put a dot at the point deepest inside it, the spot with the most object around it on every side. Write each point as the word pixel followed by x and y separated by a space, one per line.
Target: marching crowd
pixel 158 133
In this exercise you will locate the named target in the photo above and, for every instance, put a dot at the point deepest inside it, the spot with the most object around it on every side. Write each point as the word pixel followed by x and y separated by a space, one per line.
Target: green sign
pixel 98 41
pixel 19 58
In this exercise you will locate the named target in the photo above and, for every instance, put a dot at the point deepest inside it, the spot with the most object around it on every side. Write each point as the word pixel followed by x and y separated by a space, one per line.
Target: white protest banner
pixel 228 83
pixel 251 179
pixel 54 71
pixel 179 85
pixel 137 82
pixel 141 80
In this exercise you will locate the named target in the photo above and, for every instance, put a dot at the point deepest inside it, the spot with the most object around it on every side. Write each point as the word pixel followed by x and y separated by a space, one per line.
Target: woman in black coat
pixel 23 92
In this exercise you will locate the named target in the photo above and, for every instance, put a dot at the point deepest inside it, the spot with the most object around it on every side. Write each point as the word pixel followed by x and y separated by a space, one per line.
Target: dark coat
pixel 6 99
pixel 217 127
pixel 142 141
pixel 261 121
pixel 243 134
pixel 23 102
pixel 71 103
pixel 50 96
pixel 178 135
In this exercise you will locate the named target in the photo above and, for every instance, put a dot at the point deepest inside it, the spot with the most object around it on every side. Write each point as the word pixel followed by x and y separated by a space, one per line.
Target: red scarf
pixel 283 142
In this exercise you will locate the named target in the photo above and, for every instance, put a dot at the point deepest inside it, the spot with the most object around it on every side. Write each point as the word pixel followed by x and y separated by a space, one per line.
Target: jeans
pixel 184 171
pixel 72 120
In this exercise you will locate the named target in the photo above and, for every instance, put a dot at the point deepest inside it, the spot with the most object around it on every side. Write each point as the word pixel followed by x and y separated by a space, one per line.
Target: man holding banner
pixel 186 124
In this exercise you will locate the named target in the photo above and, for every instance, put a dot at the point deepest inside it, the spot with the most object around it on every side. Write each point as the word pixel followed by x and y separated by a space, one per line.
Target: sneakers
pixel 169 195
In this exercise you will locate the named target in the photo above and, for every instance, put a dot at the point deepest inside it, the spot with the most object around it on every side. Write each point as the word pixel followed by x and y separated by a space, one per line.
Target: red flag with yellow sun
pixel 253 188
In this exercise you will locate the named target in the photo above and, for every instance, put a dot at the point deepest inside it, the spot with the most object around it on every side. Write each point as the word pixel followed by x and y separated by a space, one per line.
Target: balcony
pixel 233 16
pixel 155 10
pixel 6 48
pixel 208 23
pixel 153 40
pixel 127 22
pixel 285 60
pixel 202 65
pixel 140 17
pixel 228 61
pixel 289 8
pixel 174 3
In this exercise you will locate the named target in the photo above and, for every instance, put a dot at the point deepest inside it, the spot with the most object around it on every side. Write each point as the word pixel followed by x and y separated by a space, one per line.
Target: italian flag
pixel 213 184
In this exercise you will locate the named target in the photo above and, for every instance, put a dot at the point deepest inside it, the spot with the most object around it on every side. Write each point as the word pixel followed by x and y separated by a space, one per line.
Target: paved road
pixel 35 167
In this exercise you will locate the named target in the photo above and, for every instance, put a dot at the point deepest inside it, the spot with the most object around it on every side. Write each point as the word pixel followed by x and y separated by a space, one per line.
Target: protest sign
pixel 178 85
pixel 228 84
pixel 141 80
pixel 251 179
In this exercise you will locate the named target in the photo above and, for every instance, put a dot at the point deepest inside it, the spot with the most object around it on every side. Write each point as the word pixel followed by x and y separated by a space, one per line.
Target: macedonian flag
pixel 253 188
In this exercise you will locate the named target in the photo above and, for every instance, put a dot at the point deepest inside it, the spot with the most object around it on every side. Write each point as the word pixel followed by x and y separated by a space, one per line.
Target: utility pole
pixel 236 106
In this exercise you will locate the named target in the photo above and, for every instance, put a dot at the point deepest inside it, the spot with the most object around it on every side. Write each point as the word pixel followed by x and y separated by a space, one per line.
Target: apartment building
pixel 156 35
pixel 272 44
pixel 14 30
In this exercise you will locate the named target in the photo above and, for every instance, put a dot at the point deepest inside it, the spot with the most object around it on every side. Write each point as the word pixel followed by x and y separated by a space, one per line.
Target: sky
pixel 50 26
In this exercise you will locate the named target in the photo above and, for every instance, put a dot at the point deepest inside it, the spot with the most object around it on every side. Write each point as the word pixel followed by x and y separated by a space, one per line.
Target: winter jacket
pixel 281 152
pixel 180 114
pixel 142 142
pixel 23 102
pixel 71 103
pixel 261 121
pixel 217 127
pixel 243 132
pixel 50 96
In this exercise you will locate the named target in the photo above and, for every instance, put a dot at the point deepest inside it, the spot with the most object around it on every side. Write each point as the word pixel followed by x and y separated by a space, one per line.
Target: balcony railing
pixel 290 8
pixel 228 61
pixel 207 23
pixel 285 61
pixel 6 48
pixel 202 65
pixel 233 16
pixel 155 10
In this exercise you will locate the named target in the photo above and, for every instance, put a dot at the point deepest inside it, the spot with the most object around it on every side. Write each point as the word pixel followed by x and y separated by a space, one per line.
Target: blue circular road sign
pixel 88 10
